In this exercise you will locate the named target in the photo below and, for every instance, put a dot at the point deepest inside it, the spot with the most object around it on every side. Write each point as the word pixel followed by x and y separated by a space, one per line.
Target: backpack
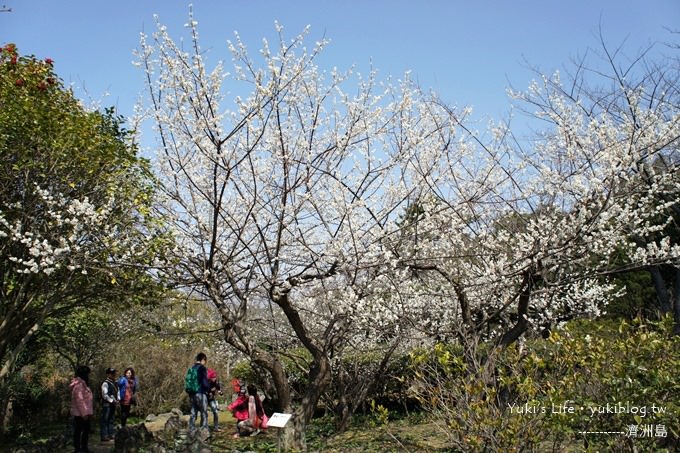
pixel 191 384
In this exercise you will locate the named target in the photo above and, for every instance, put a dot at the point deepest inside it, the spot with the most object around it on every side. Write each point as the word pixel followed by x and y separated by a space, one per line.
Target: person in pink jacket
pixel 81 408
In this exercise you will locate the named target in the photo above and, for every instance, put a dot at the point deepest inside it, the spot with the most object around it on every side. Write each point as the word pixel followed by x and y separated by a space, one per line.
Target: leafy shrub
pixel 586 380
pixel 38 401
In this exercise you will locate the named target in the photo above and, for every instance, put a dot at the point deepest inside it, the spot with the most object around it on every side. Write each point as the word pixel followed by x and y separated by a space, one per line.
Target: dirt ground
pixel 400 436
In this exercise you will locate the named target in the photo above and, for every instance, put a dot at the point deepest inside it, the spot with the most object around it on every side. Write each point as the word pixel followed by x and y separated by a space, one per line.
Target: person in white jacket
pixel 109 394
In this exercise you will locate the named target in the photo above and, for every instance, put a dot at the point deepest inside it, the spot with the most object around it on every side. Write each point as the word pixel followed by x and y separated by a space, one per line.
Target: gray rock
pixel 131 439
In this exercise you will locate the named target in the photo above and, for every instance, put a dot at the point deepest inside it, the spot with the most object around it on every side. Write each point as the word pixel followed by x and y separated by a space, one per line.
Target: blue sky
pixel 468 51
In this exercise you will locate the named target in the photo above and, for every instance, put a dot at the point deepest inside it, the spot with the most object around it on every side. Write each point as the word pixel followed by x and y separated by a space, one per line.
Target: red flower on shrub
pixel 49 61
pixel 19 82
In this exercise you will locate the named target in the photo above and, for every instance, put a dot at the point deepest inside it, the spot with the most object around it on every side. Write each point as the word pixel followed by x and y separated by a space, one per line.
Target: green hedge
pixel 590 386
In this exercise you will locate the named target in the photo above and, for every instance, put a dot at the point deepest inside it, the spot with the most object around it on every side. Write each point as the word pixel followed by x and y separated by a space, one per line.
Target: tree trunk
pixel 10 357
pixel 661 289
pixel 509 337
pixel 342 410
pixel 676 300
pixel 318 378
pixel 5 413
pixel 293 436
pixel 275 369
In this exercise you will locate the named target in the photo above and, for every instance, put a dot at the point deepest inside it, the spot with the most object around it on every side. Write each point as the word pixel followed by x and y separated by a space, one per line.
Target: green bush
pixel 590 385
pixel 38 399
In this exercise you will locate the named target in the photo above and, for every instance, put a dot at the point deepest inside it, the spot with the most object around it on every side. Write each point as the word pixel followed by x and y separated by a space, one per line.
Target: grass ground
pixel 411 434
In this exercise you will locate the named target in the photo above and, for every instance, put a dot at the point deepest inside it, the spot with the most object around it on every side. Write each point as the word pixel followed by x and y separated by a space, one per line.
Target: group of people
pixel 247 408
pixel 113 393
pixel 201 383
pixel 123 393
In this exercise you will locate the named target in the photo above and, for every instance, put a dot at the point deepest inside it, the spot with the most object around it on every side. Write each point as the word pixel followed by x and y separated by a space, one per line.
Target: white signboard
pixel 278 420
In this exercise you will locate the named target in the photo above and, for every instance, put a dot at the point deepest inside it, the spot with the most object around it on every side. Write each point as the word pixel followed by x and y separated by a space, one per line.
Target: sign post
pixel 278 421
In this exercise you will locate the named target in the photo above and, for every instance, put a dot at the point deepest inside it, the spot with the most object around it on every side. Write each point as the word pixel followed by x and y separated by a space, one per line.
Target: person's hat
pixel 110 371
pixel 212 374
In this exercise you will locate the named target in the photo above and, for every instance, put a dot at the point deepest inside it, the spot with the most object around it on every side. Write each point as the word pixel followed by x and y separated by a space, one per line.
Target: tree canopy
pixel 75 228
pixel 337 212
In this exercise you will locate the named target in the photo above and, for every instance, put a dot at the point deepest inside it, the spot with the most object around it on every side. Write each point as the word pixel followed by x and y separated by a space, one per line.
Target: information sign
pixel 278 420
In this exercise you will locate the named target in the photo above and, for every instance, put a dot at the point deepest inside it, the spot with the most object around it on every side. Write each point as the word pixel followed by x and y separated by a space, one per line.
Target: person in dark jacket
pixel 199 400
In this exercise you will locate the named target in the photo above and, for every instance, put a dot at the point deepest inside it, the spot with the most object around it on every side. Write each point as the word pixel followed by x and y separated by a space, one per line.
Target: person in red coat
pixel 248 412
pixel 239 408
